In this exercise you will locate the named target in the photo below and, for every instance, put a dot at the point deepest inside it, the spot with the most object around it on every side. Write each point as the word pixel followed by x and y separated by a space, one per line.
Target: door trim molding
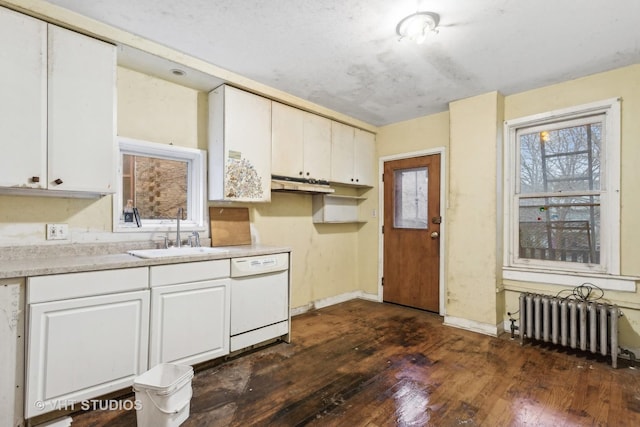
pixel 443 206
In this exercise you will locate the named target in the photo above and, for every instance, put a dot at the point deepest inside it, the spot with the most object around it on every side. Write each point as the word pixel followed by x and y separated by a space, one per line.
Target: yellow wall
pixel 414 135
pixel 149 109
pixel 472 209
pixel 471 133
pixel 155 110
pixel 624 83
pixel 325 256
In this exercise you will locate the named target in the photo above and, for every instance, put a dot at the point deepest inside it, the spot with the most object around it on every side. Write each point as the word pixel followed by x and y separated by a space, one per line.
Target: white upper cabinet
pixel 301 144
pixel 342 155
pixel 23 114
pixel 352 155
pixel 57 109
pixel 364 148
pixel 239 146
pixel 81 110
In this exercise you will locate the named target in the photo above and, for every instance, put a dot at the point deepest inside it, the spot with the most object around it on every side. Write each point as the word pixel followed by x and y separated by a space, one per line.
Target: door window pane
pixel 410 198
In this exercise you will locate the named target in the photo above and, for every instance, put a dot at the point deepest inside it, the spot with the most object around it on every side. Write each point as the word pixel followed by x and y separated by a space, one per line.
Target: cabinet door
pixel 342 153
pixel 190 322
pixel 240 146
pixel 317 147
pixel 287 134
pixel 84 347
pixel 81 108
pixel 364 158
pixel 23 85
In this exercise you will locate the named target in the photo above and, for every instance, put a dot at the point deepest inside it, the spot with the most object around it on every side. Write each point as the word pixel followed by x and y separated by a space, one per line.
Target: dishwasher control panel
pixel 261 264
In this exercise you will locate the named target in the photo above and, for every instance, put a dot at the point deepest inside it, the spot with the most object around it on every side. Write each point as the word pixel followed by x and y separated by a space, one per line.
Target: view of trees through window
pixel 157 187
pixel 559 197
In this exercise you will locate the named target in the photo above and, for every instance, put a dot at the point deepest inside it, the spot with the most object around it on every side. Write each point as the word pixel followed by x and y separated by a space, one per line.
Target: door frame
pixel 443 206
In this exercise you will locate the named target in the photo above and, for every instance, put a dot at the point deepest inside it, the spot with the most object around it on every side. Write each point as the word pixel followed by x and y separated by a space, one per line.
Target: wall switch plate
pixel 57 231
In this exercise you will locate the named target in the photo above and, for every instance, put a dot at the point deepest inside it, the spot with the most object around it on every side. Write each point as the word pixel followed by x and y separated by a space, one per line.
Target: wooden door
pixel 412 232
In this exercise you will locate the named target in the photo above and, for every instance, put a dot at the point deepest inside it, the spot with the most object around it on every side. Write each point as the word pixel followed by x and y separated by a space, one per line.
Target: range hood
pixel 286 184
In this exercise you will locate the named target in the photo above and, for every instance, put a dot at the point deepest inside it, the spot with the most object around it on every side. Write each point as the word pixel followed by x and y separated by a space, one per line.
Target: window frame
pixel 606 274
pixel 196 186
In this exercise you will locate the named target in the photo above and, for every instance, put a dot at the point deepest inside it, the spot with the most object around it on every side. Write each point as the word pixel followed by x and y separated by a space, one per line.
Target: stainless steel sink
pixel 176 252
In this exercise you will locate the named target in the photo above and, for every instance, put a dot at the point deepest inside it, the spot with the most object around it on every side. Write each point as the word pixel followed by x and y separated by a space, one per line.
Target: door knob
pixel 435 235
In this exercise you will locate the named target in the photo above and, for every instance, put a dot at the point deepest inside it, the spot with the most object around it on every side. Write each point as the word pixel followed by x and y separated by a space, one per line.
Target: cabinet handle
pixel 357 180
pixel 35 179
pixel 58 181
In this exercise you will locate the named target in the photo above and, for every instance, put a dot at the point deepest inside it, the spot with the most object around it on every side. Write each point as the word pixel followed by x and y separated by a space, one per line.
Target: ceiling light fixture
pixel 416 26
pixel 177 72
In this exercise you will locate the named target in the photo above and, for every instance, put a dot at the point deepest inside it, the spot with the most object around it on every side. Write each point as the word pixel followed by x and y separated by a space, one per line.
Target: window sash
pixel 551 126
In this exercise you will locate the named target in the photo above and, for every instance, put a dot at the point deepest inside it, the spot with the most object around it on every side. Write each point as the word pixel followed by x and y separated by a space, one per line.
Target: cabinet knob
pixel 351 179
pixel 308 174
pixel 35 179
pixel 301 173
pixel 58 181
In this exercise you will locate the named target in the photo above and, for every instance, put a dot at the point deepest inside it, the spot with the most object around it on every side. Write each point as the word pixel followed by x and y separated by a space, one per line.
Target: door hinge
pixel 382 281
pixel 382 177
pixel 382 229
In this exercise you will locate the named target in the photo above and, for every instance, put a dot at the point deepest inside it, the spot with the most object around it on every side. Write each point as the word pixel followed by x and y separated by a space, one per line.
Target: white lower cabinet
pixel 190 314
pixel 190 322
pixel 82 348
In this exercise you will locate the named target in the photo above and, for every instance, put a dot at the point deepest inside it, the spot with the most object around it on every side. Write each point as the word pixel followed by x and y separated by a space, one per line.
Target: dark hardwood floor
pixel 362 363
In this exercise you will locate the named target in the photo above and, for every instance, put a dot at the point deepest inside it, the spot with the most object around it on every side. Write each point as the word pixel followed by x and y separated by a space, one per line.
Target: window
pixel 411 198
pixel 562 198
pixel 155 181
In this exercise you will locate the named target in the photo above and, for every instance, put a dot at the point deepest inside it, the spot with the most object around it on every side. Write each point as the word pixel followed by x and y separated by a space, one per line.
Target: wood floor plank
pixel 362 363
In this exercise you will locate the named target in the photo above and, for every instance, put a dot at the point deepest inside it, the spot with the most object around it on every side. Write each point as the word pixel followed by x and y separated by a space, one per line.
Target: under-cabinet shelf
pixel 336 209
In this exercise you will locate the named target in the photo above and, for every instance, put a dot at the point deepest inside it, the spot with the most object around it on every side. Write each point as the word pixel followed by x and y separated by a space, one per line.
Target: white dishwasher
pixel 259 299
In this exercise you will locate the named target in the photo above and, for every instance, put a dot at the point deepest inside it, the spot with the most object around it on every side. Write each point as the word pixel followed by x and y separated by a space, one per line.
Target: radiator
pixel 581 325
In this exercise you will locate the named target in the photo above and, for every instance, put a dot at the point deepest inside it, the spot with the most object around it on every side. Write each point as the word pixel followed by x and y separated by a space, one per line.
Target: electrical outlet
pixel 57 231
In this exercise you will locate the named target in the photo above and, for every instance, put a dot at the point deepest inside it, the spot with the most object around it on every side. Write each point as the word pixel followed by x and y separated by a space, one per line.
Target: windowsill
pixel 157 228
pixel 571 279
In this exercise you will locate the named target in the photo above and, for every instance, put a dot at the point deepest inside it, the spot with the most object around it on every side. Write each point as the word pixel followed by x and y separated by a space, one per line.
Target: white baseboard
pixel 472 325
pixel 301 310
pixel 326 302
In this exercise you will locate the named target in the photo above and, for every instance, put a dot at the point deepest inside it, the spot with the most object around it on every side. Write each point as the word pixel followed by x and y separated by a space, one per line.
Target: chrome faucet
pixel 178 218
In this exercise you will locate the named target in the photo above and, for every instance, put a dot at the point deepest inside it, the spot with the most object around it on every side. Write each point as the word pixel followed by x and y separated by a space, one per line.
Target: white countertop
pixel 43 265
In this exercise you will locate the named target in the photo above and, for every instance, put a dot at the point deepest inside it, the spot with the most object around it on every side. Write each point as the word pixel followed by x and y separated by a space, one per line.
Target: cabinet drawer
pixel 90 283
pixel 173 274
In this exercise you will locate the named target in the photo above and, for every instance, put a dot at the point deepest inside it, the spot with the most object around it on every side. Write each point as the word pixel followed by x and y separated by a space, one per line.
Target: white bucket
pixel 163 394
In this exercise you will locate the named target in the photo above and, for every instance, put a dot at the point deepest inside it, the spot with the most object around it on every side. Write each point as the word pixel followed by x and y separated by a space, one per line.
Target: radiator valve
pixel 513 328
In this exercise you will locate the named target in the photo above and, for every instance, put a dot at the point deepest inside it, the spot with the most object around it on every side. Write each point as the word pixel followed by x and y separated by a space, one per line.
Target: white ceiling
pixel 346 56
